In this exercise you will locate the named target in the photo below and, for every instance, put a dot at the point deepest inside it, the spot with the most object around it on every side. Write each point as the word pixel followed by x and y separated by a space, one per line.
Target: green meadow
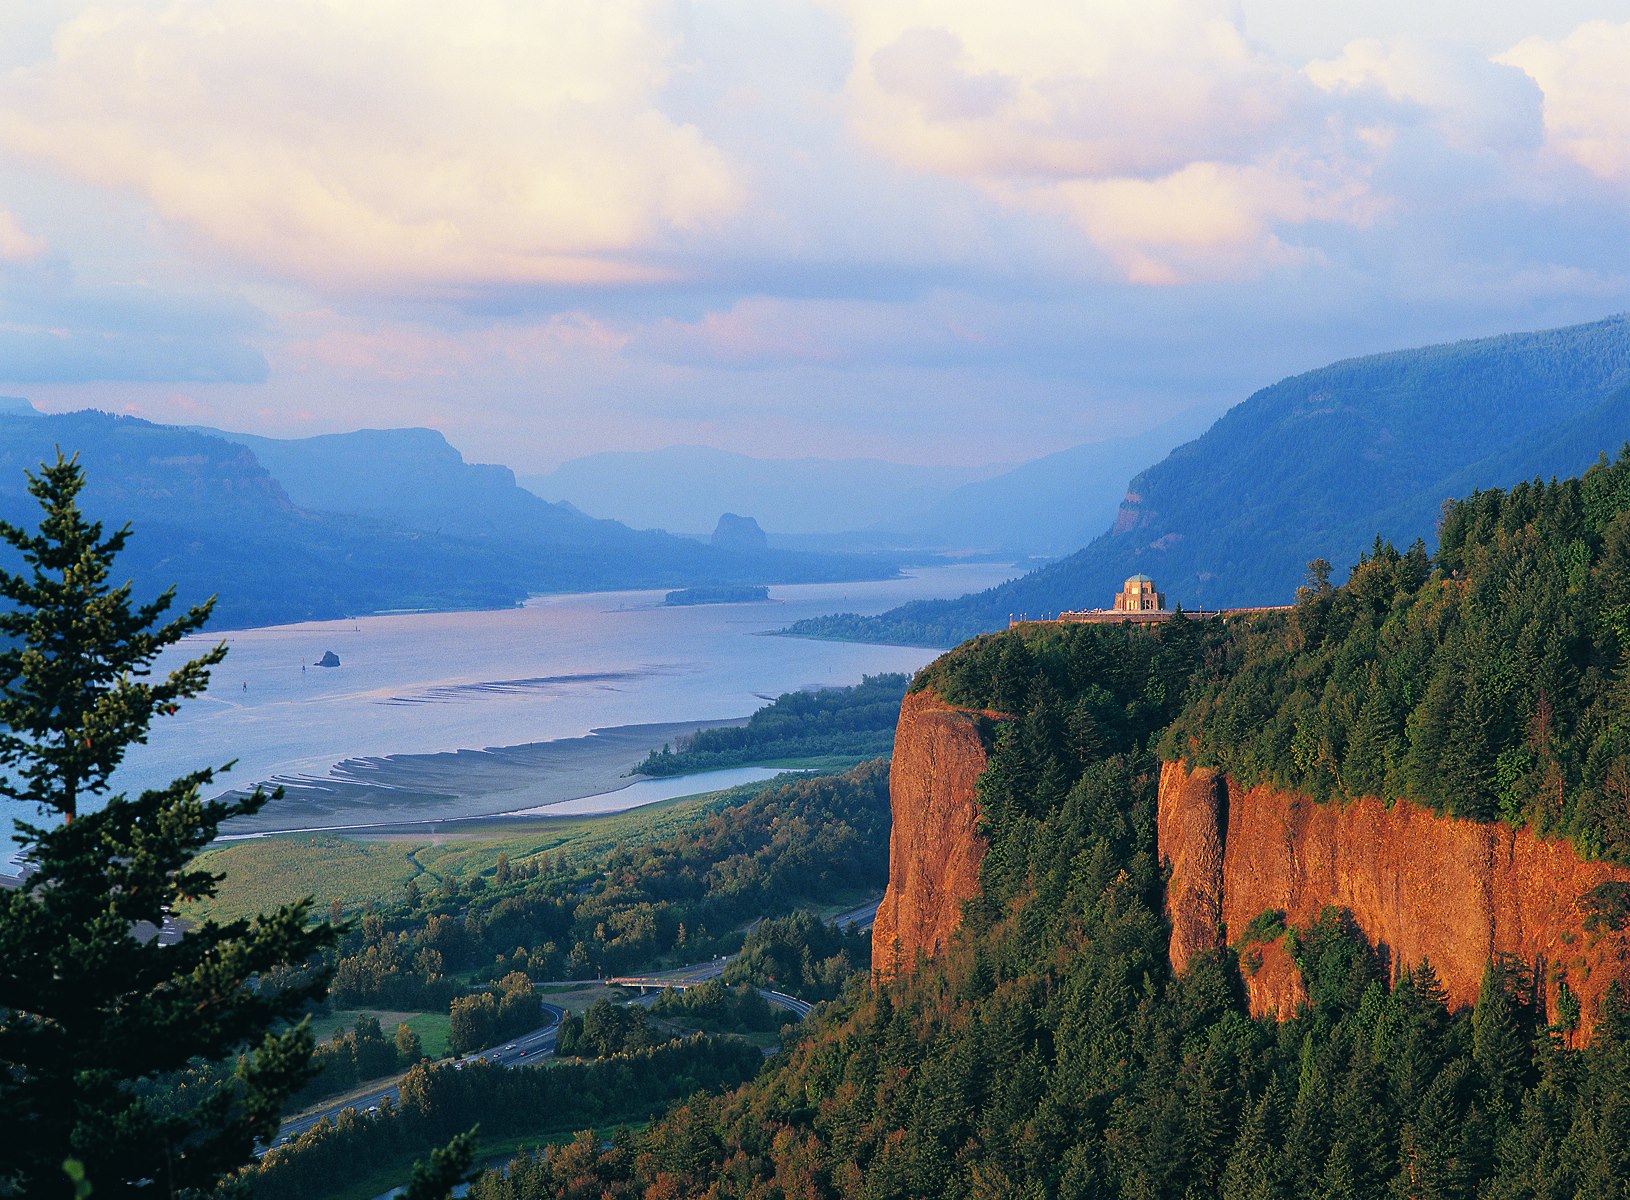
pixel 355 869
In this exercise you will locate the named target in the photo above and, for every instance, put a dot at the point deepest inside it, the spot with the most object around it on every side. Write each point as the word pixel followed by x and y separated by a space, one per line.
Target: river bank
pixel 413 789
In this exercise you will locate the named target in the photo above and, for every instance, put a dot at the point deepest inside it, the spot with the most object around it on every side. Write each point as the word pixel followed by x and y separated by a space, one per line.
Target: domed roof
pixel 1140 579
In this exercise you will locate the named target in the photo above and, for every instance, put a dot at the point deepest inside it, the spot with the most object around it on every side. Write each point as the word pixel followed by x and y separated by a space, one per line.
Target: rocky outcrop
pixel 934 847
pixel 1273 982
pixel 1418 885
pixel 740 533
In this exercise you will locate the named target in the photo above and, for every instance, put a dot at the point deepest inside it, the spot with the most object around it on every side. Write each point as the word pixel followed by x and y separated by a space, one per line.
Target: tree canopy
pixel 97 1015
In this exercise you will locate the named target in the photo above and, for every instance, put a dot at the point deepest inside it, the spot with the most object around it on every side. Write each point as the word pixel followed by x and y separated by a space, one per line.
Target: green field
pixel 432 1028
pixel 262 873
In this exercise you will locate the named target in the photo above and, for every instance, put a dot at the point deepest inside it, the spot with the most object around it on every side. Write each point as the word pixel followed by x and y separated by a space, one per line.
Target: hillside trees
pixel 91 1013
pixel 1489 682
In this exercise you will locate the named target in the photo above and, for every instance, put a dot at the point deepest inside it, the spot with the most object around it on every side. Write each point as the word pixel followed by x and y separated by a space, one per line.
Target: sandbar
pixel 413 788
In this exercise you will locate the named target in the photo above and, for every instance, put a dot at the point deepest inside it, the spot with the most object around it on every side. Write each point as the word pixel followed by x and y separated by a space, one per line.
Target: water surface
pixel 558 667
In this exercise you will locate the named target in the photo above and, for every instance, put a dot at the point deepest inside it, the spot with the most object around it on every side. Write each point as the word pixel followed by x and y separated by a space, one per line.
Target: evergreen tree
pixel 434 1178
pixel 93 1015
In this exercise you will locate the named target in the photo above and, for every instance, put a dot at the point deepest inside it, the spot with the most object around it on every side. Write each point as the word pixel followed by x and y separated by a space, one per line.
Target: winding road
pixel 523 1051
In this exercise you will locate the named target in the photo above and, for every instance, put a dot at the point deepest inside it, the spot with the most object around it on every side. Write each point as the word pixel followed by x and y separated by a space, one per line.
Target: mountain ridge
pixel 1234 516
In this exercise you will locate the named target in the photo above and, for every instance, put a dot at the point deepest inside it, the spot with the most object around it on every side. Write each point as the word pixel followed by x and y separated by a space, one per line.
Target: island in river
pixel 745 593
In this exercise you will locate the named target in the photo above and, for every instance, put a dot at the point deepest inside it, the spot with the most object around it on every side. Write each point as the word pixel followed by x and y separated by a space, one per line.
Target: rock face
pixel 1418 885
pixel 329 659
pixel 739 533
pixel 934 847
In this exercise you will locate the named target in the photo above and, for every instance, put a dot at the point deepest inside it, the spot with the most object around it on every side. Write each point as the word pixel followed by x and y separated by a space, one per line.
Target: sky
pixel 931 231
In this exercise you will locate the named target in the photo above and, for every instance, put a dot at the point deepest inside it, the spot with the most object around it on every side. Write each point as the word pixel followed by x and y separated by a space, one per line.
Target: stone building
pixel 1138 594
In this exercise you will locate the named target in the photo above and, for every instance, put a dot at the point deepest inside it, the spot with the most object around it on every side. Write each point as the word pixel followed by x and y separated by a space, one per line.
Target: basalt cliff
pixel 934 845
pixel 1419 886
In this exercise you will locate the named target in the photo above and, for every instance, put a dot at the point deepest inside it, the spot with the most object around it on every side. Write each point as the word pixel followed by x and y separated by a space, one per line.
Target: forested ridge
pixel 1488 683
pixel 1051 1052
pixel 1231 517
pixel 856 720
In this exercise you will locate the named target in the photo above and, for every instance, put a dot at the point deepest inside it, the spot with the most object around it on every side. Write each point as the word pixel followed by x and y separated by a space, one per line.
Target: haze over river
pixel 557 668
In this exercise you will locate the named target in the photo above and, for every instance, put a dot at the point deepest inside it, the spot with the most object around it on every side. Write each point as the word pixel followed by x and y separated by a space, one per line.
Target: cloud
pixel 416 145
pixel 1156 128
pixel 1476 105
pixel 1587 94
pixel 54 328
pixel 1183 151
pixel 1103 88
pixel 15 244
pixel 758 332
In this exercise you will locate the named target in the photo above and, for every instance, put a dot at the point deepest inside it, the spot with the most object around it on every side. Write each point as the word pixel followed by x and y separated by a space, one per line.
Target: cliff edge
pixel 934 847
pixel 1419 886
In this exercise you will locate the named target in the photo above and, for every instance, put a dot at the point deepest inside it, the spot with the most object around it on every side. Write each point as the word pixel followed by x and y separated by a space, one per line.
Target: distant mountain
pixel 686 488
pixel 208 518
pixel 412 478
pixel 1049 505
pixel 1316 466
pixel 367 522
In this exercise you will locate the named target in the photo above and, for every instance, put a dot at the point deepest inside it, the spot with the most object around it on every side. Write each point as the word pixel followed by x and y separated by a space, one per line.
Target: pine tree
pixel 92 1016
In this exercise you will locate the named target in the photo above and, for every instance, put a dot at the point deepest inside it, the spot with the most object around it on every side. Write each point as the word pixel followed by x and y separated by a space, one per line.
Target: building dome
pixel 1138 594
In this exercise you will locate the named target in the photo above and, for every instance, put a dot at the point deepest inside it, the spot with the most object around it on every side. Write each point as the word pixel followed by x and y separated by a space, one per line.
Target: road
pixel 540 1043
pixel 859 918
pixel 523 1051
pixel 679 977
pixel 688 977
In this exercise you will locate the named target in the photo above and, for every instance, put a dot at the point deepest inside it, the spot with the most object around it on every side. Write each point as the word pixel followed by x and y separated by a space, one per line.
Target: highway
pixel 523 1051
pixel 689 977
pixel 540 1043
pixel 859 918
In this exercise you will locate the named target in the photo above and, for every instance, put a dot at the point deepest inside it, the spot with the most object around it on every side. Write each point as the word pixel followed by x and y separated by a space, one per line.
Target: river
pixel 429 684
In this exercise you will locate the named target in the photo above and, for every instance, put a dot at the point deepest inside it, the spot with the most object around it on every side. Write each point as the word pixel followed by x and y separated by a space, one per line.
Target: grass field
pixel 262 873
pixel 433 1028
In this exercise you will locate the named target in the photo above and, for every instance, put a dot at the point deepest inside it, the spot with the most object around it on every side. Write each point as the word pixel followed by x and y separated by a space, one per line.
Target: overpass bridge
pixel 691 977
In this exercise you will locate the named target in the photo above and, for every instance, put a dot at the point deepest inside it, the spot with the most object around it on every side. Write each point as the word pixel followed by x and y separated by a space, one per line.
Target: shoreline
pixel 695 787
pixel 414 789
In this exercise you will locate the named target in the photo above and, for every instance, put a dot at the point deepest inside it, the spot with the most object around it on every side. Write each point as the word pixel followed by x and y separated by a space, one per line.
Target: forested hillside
pixel 858 720
pixel 1232 517
pixel 1051 1052
pixel 1489 684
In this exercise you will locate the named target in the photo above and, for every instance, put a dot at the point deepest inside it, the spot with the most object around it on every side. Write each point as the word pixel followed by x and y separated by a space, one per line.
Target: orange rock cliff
pixel 934 845
pixel 1419 886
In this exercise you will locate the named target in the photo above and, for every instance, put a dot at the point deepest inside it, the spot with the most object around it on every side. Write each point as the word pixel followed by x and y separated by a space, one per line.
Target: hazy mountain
pixel 686 488
pixel 352 524
pixel 1050 505
pixel 1316 466
pixel 208 518
pixel 413 479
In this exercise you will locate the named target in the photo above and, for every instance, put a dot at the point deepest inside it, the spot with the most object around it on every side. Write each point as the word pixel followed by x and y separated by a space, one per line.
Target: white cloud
pixel 397 145
pixel 1179 148
pixel 15 244
pixel 1587 94
pixel 1067 89
pixel 1476 105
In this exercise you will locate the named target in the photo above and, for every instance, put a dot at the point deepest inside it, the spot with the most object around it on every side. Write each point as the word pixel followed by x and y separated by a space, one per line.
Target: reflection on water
pixel 649 791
